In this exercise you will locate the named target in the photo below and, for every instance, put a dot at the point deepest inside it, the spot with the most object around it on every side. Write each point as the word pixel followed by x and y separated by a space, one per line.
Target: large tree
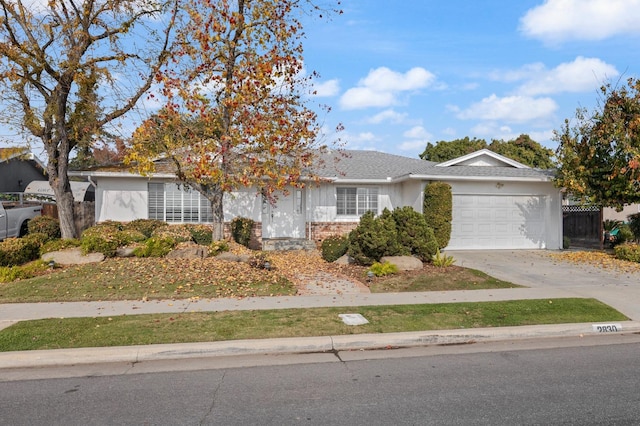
pixel 522 149
pixel 236 112
pixel 599 153
pixel 69 68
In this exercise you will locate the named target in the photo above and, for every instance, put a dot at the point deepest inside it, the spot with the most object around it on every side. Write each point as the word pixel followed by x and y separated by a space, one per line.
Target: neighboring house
pixel 610 213
pixel 498 203
pixel 18 167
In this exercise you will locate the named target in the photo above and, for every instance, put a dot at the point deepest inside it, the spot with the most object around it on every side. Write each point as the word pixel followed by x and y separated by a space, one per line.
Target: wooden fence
pixel 84 213
pixel 583 225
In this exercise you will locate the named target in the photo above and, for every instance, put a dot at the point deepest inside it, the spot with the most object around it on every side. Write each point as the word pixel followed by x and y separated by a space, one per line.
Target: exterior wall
pixel 611 213
pixel 16 174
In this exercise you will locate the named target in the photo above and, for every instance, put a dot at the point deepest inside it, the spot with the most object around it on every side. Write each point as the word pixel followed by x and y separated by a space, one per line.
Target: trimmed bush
pixel 28 270
pixel 241 228
pixel 145 226
pixel 217 247
pixel 201 234
pixel 438 211
pixel 334 247
pixel 17 251
pixel 55 245
pixel 374 238
pixel 102 238
pixel 179 233
pixel 414 233
pixel 627 251
pixel 158 246
pixel 45 225
pixel 128 236
pixel 634 225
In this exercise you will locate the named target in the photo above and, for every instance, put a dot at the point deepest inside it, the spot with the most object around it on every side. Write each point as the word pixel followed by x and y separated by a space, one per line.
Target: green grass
pixel 209 327
pixel 440 279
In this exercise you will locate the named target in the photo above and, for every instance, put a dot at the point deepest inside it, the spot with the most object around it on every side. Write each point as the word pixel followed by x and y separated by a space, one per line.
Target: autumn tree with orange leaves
pixel 236 99
pixel 599 154
pixel 70 68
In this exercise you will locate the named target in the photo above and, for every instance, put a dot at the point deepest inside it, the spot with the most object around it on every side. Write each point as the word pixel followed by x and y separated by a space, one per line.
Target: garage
pixel 498 222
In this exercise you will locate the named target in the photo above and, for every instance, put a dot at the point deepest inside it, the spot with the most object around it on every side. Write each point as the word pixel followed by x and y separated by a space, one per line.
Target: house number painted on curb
pixel 607 328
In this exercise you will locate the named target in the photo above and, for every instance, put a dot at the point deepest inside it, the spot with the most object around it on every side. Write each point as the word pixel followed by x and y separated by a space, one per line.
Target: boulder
pixel 343 260
pixel 188 251
pixel 229 257
pixel 404 263
pixel 72 256
pixel 125 251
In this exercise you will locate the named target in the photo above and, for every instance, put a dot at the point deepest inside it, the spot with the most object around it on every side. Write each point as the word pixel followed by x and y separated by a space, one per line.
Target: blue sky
pixel 401 74
pixel 423 71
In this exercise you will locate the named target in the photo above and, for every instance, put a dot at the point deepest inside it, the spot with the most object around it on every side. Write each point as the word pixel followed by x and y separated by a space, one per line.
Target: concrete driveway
pixel 540 269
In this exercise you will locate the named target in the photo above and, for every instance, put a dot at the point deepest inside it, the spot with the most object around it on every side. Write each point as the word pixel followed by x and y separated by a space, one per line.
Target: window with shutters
pixel 352 201
pixel 172 203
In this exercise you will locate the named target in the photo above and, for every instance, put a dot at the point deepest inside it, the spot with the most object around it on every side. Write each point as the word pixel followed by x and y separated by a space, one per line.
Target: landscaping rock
pixel 72 256
pixel 228 256
pixel 188 251
pixel 404 263
pixel 125 252
pixel 343 260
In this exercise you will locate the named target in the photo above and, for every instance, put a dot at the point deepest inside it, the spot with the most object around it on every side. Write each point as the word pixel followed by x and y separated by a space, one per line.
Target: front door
pixel 286 217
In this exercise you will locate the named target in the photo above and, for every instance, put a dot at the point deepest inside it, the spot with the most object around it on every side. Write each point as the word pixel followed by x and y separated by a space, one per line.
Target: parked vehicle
pixel 14 216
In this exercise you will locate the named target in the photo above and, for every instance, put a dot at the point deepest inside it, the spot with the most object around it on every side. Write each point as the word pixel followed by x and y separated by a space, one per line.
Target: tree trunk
pixel 57 168
pixel 215 197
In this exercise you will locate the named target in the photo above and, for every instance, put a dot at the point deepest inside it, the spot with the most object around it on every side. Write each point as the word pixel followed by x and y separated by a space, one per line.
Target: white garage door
pixel 497 222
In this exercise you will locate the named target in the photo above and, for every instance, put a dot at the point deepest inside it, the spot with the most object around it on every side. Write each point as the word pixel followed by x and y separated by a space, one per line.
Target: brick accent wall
pixel 322 230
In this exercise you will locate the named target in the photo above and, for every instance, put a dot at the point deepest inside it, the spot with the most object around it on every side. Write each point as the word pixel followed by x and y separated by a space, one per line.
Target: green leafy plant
pixel 55 245
pixel 414 233
pixel 179 233
pixel 45 225
pixel 438 211
pixel 155 247
pixel 103 238
pixel 566 242
pixel 375 237
pixel 383 269
pixel 145 226
pixel 241 228
pixel 201 234
pixel 628 251
pixel 334 247
pixel 17 251
pixel 634 225
pixel 21 272
pixel 217 247
pixel 442 260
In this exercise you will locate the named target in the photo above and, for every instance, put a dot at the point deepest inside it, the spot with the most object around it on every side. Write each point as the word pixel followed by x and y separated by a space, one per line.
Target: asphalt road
pixel 586 381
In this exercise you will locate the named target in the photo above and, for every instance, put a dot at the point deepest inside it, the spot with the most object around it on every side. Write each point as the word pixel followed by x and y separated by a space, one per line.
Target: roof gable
pixel 483 158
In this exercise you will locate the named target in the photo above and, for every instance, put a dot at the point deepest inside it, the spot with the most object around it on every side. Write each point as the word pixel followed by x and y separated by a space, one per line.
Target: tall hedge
pixel 437 209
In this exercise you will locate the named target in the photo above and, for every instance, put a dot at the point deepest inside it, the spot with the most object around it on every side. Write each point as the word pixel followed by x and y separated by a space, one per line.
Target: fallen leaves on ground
pixel 598 259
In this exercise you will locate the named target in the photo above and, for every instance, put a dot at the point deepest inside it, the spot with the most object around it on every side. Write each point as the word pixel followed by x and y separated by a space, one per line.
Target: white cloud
pixel 381 87
pixel 581 75
pixel 327 88
pixel 556 21
pixel 417 132
pixel 387 115
pixel 511 109
pixel 413 145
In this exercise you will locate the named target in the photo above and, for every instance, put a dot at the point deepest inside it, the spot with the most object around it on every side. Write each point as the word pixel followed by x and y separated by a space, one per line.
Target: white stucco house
pixel 498 203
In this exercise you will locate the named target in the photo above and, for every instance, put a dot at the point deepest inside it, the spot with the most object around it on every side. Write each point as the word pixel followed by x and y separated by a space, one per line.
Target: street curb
pixel 137 354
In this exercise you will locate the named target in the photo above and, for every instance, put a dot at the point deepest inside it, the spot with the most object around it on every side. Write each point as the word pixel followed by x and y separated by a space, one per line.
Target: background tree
pixel 522 149
pixel 235 112
pixel 599 154
pixel 70 68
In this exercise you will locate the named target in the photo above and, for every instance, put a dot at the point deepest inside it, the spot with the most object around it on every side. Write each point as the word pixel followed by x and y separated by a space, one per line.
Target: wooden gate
pixel 583 225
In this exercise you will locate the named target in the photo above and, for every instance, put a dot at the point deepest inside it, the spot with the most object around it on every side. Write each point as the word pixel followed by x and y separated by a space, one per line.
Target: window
pixel 357 201
pixel 171 203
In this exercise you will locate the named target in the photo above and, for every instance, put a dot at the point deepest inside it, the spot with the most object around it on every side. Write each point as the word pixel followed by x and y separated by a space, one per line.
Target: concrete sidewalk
pixel 547 277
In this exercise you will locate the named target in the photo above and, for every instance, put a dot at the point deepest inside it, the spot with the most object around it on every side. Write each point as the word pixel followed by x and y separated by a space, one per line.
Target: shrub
pixel 158 246
pixel 45 225
pixel 374 238
pixel 17 251
pixel 179 233
pixel 55 245
pixel 217 247
pixel 201 234
pixel 28 270
pixel 102 238
pixel 241 228
pixel 37 237
pixel 438 211
pixel 334 247
pixel 383 269
pixel 145 226
pixel 128 236
pixel 626 251
pixel 634 225
pixel 442 260
pixel 624 234
pixel 414 233
pixel 566 242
